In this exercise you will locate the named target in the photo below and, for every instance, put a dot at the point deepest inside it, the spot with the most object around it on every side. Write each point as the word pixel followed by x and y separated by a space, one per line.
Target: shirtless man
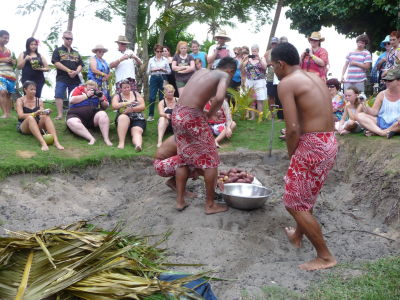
pixel 311 145
pixel 195 141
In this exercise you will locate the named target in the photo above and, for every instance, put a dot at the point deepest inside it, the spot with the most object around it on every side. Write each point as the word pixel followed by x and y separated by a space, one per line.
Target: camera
pixel 362 97
pixel 97 93
pixel 222 47
pixel 251 56
pixel 46 111
pixel 307 51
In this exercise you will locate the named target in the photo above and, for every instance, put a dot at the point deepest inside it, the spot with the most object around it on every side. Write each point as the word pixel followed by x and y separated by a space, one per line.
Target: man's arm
pixel 219 97
pixel 286 95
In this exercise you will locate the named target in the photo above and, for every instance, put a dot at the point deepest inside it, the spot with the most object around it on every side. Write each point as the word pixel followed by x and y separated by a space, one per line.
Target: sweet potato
pixel 223 172
pixel 233 170
pixel 251 177
pixel 248 180
pixel 242 174
pixel 233 178
pixel 240 180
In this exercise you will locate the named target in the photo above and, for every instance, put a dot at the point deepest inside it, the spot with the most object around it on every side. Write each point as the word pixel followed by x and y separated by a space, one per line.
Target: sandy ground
pixel 248 246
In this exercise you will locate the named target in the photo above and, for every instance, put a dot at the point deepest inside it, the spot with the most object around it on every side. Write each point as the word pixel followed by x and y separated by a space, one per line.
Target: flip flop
pixel 391 134
pixel 182 208
pixel 57 118
pixel 283 131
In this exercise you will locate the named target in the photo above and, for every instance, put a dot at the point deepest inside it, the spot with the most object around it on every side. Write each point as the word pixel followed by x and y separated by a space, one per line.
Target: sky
pixel 89 31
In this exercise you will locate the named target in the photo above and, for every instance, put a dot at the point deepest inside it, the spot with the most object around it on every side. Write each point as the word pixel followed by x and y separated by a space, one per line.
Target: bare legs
pixel 181 177
pixel 369 122
pixel 308 225
pixel 5 104
pixel 136 133
pixel 47 124
pixel 162 126
pixel 59 105
pixel 222 135
pixel 210 180
pixel 30 126
pixel 100 119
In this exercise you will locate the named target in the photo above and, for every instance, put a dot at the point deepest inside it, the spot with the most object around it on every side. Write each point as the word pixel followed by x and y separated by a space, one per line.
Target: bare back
pixel 202 86
pixel 312 108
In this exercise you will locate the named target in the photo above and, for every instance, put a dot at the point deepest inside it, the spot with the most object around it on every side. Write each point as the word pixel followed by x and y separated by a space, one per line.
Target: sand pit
pixel 358 209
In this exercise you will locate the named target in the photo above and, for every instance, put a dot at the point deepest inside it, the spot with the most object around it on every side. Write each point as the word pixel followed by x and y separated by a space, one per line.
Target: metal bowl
pixel 245 196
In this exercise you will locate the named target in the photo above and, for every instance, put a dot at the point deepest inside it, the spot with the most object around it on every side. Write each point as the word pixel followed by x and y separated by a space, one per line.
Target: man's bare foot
pixel 92 141
pixel 171 183
pixel 218 145
pixel 293 239
pixel 108 142
pixel 59 146
pixel 121 146
pixel 138 148
pixel 159 144
pixel 215 208
pixel 45 148
pixel 318 264
pixel 181 207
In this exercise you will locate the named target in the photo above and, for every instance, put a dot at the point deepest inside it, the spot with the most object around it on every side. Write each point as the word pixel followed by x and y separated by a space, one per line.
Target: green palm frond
pixel 72 261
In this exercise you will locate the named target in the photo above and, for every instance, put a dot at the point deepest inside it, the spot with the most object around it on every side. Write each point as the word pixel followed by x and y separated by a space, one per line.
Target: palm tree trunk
pixel 132 9
pixel 40 16
pixel 275 22
pixel 71 14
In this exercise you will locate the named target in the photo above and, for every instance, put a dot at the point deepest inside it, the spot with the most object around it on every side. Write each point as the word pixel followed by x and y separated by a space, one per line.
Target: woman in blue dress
pixel 99 70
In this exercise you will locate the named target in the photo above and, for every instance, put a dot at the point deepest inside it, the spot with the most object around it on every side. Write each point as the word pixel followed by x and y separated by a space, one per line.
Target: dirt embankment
pixel 358 209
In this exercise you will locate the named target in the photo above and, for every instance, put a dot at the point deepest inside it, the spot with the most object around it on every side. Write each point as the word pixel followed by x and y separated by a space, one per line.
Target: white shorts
pixel 259 87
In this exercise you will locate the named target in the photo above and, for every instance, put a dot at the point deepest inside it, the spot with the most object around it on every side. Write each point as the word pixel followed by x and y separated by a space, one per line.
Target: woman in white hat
pixel 99 70
pixel 315 59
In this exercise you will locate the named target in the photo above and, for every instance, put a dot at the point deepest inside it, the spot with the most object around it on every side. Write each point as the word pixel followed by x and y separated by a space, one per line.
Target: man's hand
pixel 72 74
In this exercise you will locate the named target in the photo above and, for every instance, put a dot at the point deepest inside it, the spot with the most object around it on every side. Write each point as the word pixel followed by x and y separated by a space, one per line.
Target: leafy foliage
pixel 377 18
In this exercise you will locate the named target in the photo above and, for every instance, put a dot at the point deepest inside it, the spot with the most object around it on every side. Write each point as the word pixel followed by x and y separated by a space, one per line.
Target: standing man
pixel 69 64
pixel 194 139
pixel 271 87
pixel 311 145
pixel 219 50
pixel 7 75
pixel 124 64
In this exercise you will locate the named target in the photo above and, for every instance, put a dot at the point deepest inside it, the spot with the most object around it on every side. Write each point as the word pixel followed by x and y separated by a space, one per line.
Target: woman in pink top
pixel 315 59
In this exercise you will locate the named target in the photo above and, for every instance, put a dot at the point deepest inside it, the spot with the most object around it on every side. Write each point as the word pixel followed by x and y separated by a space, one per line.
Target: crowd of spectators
pixel 168 75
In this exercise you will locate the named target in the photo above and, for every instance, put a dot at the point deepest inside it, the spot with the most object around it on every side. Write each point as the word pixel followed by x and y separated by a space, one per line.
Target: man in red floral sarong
pixel 194 139
pixel 311 146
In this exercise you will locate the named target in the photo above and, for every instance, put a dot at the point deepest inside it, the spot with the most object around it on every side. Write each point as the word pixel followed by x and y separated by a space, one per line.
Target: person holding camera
pixel 255 67
pixel 33 118
pixel 130 106
pixel 219 50
pixel 315 59
pixel 86 111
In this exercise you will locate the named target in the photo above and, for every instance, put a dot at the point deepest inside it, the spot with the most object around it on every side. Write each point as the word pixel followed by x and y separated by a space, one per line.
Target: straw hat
pixel 316 36
pixel 99 47
pixel 122 40
pixel 222 33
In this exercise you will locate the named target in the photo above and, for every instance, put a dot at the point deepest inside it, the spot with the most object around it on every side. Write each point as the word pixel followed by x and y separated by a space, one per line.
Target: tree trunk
pixel 40 16
pixel 145 48
pixel 275 22
pixel 163 30
pixel 71 14
pixel 132 9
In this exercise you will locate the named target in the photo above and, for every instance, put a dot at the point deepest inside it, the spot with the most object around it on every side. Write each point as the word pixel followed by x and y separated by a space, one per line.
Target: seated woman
pixel 130 105
pixel 86 111
pixel 33 118
pixel 165 109
pixel 337 98
pixel 222 124
pixel 384 116
pixel 348 122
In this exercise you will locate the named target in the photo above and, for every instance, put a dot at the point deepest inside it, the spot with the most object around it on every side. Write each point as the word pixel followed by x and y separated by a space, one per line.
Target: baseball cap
pixel 392 74
pixel 274 40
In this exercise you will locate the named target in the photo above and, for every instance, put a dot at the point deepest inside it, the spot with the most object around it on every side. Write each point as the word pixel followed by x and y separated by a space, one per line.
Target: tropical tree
pixel 71 14
pixel 377 18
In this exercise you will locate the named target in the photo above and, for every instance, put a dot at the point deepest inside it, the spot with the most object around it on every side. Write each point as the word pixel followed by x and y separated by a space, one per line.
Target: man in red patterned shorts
pixel 311 145
pixel 167 160
pixel 194 139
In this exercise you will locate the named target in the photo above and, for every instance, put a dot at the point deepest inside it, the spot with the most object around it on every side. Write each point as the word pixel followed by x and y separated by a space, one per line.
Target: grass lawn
pixel 21 153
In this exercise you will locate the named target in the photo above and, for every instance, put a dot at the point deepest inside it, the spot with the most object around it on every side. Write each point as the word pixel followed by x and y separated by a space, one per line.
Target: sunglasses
pixel 159 51
pixel 67 38
pixel 387 80
pixel 386 44
pixel 331 86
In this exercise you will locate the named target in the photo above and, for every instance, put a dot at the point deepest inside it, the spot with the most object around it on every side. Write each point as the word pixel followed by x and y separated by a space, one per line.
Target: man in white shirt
pixel 219 50
pixel 125 65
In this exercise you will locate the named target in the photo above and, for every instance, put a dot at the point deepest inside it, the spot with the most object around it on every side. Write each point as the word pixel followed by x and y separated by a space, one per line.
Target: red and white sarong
pixel 314 157
pixel 166 167
pixel 194 139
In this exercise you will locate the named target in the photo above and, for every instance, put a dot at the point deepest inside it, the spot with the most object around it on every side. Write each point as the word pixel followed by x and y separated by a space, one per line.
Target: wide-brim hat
pixel 222 33
pixel 122 40
pixel 386 40
pixel 99 47
pixel 392 74
pixel 316 36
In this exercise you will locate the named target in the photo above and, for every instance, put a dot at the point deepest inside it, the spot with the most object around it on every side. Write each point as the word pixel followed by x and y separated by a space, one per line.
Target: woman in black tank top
pixel 33 65
pixel 165 109
pixel 130 105
pixel 33 118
